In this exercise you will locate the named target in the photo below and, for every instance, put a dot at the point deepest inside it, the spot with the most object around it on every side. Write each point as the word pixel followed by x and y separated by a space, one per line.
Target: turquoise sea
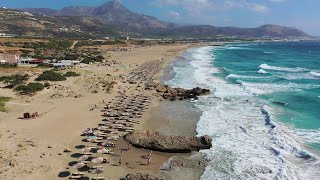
pixel 264 110
pixel 286 72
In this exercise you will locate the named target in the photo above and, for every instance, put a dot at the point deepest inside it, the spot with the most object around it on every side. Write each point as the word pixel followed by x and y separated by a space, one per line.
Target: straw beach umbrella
pixel 78 166
pixel 103 151
pixel 97 171
pixel 86 149
pixel 83 158
pixel 97 160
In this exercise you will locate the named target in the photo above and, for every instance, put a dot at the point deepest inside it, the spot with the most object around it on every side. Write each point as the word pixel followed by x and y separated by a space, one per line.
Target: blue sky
pixel 242 13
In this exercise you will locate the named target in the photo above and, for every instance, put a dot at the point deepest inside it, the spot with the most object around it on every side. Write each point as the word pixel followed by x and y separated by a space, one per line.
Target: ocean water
pixel 264 112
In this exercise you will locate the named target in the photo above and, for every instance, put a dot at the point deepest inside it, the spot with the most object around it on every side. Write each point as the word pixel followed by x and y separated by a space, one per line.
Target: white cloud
pixel 245 4
pixel 198 6
pixel 193 6
pixel 174 14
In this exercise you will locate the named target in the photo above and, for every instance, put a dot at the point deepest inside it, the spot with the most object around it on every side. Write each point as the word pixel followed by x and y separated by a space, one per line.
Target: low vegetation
pixel 3 101
pixel 46 84
pixel 50 76
pixel 99 43
pixel 8 65
pixel 58 45
pixel 71 74
pixel 14 80
pixel 29 89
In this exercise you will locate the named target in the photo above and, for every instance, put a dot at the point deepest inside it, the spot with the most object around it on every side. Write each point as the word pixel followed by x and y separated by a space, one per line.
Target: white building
pixel 4 35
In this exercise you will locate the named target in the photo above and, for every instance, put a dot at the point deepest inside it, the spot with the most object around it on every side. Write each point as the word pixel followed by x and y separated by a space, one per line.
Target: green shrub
pixel 50 76
pixel 6 65
pixel 46 84
pixel 87 60
pixel 71 74
pixel 14 80
pixel 45 65
pixel 31 88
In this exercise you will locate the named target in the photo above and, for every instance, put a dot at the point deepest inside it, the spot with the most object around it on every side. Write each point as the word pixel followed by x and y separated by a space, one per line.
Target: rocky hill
pixel 24 23
pixel 262 31
pixel 112 13
pixel 115 15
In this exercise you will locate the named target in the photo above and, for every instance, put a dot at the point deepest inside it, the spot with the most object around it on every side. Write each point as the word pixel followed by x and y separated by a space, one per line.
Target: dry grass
pixel 3 101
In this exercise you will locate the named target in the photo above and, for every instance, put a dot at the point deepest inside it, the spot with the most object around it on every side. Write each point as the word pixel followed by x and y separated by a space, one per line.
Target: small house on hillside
pixel 30 61
pixel 65 63
pixel 9 58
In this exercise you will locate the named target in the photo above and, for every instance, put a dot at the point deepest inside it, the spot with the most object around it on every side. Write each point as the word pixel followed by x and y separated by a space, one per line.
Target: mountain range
pixel 115 17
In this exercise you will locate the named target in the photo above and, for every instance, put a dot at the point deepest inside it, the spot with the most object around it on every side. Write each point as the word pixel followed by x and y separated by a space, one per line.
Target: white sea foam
pixel 268 88
pixel 261 71
pixel 244 77
pixel 235 47
pixel 244 146
pixel 315 74
pixel 296 76
pixel 309 135
pixel 275 68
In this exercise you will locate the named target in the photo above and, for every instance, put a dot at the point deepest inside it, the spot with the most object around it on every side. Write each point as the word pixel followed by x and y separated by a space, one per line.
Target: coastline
pixel 45 138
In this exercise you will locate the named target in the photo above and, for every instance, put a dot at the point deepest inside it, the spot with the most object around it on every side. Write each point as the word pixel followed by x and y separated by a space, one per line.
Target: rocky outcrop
pixel 140 177
pixel 153 140
pixel 177 93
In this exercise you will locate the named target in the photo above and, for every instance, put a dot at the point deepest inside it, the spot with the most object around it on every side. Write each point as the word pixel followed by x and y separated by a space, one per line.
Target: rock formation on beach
pixel 177 93
pixel 153 140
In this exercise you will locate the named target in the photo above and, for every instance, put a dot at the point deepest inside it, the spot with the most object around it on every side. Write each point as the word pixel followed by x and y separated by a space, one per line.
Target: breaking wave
pixel 275 68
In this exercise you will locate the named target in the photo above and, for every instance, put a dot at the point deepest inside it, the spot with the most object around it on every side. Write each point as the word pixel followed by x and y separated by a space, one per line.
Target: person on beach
pixel 129 147
pixel 148 162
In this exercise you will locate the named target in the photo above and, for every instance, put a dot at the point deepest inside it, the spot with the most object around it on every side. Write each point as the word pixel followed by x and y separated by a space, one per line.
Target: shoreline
pixel 45 138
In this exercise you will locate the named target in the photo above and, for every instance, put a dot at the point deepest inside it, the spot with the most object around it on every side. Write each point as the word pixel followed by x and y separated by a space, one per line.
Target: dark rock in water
pixel 166 96
pixel 140 177
pixel 152 140
pixel 173 98
pixel 280 103
pixel 175 93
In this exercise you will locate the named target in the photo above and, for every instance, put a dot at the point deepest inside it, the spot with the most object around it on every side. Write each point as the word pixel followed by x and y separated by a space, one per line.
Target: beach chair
pixel 96 167
pixel 75 177
pixel 78 174
pixel 98 178
pixel 85 162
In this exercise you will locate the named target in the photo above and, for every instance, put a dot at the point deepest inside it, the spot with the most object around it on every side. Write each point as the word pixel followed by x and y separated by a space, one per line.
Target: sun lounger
pixel 92 146
pixel 78 174
pixel 99 141
pixel 76 177
pixel 85 162
pixel 96 167
pixel 98 178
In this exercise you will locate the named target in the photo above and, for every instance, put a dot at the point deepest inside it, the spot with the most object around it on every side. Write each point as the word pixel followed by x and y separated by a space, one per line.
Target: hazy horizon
pixel 241 13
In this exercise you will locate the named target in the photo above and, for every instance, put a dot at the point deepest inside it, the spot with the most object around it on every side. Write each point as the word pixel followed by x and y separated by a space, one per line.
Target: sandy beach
pixel 34 149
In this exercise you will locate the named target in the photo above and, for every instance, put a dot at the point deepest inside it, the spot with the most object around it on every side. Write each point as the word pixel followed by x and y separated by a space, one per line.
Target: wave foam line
pixel 276 68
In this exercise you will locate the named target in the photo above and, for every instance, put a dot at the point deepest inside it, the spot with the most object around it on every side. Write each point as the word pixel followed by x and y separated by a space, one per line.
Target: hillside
pixel 116 16
pixel 262 31
pixel 112 13
pixel 23 23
